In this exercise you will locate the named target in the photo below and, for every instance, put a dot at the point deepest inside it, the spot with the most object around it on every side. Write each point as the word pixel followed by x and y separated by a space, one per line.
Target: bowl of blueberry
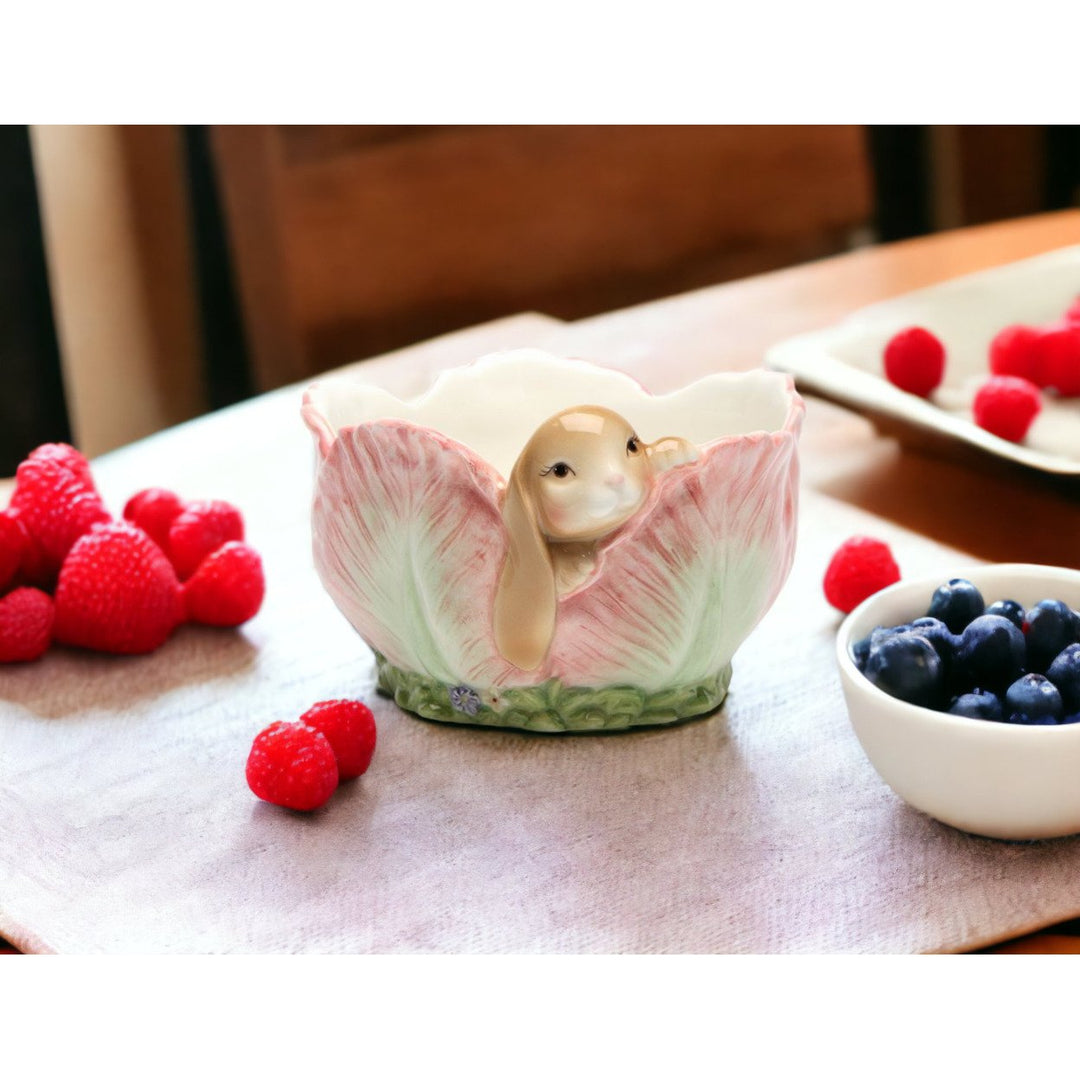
pixel 965 696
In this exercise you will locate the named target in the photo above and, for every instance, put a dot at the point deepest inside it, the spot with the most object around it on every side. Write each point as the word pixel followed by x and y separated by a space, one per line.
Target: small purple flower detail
pixel 465 699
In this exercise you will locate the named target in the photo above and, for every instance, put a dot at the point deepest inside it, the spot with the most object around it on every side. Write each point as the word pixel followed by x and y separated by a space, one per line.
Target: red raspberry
pixel 1005 405
pixel 154 510
pixel 67 456
pixel 228 587
pixel 202 528
pixel 26 622
pixel 13 542
pixel 915 361
pixel 292 765
pixel 1012 352
pixel 56 506
pixel 1058 359
pixel 860 567
pixel 117 592
pixel 350 727
pixel 36 569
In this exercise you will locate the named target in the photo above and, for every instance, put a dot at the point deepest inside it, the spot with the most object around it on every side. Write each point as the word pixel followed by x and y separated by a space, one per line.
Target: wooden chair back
pixel 350 241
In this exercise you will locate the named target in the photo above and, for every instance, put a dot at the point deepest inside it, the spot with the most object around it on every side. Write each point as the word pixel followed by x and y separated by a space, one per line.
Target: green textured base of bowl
pixel 550 706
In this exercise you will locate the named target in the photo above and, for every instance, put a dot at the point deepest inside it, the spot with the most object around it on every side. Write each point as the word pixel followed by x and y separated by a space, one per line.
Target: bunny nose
pixel 616 480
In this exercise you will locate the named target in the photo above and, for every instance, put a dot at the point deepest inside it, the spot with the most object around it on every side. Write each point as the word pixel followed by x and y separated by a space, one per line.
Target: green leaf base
pixel 549 706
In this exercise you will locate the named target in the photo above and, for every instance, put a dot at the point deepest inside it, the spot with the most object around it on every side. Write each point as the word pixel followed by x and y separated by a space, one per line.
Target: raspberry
pixel 67 456
pixel 915 361
pixel 860 567
pixel 201 529
pixel 1073 314
pixel 1058 359
pixel 36 568
pixel 13 542
pixel 26 622
pixel 1005 405
pixel 55 505
pixel 1012 352
pixel 154 510
pixel 117 592
pixel 292 765
pixel 228 587
pixel 350 728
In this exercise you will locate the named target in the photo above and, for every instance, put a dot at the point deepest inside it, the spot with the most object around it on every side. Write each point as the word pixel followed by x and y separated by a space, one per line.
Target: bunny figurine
pixel 581 476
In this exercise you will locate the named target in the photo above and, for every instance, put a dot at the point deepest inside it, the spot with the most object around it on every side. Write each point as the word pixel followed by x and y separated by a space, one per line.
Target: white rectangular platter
pixel 844 362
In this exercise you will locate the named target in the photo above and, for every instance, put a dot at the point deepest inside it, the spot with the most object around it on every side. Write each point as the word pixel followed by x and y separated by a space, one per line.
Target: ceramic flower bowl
pixel 479 613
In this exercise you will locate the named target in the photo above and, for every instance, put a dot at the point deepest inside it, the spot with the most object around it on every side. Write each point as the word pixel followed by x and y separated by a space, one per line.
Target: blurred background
pixel 149 274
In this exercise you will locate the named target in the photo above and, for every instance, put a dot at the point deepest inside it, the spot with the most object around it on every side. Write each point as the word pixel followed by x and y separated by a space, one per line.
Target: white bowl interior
pixel 995 779
pixel 494 405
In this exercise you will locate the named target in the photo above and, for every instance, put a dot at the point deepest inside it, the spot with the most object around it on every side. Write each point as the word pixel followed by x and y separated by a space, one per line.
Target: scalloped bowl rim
pixel 336 404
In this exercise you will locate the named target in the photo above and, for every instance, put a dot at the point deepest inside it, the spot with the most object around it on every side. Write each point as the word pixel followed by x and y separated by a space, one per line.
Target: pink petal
pixel 680 587
pixel 409 542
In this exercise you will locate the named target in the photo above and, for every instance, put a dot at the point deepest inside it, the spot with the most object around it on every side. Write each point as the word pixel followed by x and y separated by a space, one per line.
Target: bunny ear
pixel 526 599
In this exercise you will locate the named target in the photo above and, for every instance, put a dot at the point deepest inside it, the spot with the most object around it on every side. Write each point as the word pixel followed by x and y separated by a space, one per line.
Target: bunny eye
pixel 632 446
pixel 559 469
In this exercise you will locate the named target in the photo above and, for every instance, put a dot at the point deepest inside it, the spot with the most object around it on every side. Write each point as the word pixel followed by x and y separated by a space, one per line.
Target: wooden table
pixel 672 341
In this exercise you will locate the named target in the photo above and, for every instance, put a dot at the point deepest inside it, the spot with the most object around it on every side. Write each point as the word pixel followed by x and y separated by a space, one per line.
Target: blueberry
pixel 1072 718
pixel 939 635
pixel 1050 629
pixel 956 604
pixel 1033 699
pixel 979 705
pixel 860 651
pixel 880 633
pixel 1008 609
pixel 990 654
pixel 907 667
pixel 1064 673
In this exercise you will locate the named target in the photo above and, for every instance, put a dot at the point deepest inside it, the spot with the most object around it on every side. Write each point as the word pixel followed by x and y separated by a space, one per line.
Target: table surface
pixel 670 342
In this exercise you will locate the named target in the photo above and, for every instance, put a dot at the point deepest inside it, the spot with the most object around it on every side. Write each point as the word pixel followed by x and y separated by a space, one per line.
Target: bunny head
pixel 583 473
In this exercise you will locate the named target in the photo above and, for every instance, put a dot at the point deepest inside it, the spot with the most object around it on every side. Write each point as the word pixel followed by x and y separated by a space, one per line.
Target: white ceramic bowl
pixel 985 777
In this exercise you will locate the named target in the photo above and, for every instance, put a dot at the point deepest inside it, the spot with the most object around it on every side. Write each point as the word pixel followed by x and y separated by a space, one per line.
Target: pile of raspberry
pixel 1024 362
pixel 299 764
pixel 71 573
